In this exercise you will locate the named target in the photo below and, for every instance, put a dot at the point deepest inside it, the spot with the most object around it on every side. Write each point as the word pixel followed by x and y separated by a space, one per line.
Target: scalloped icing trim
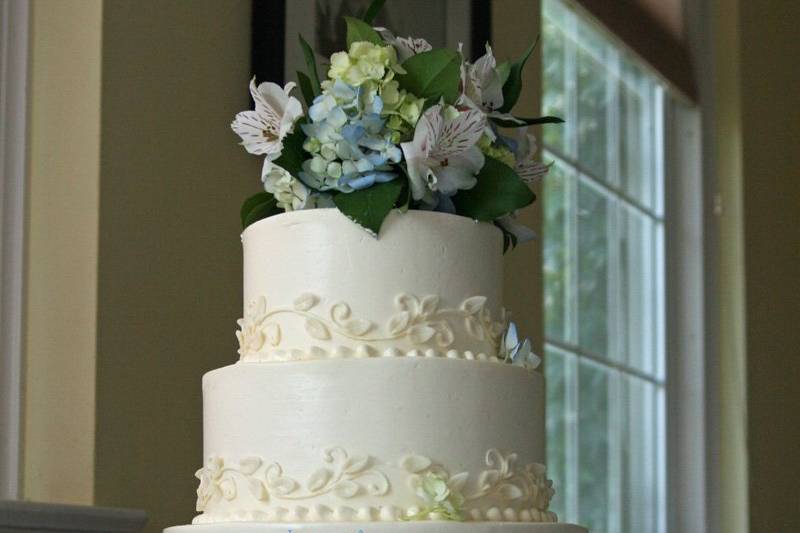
pixel 387 513
pixel 363 351
pixel 503 492
pixel 421 322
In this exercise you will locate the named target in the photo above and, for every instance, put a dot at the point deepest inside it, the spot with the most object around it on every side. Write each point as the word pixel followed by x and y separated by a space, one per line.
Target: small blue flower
pixel 518 352
pixel 350 145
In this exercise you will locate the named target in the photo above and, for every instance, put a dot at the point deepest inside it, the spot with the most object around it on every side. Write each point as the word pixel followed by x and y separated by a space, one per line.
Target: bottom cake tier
pixel 379 527
pixel 372 441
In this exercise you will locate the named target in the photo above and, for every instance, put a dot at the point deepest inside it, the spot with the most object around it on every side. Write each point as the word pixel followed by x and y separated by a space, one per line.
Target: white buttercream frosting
pixel 351 439
pixel 371 387
pixel 317 284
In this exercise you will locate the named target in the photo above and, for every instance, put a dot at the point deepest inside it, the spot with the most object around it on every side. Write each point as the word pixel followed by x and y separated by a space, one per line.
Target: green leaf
pixel 258 207
pixel 368 207
pixel 509 239
pixel 358 30
pixel 503 123
pixel 293 155
pixel 513 86
pixel 504 69
pixel 499 192
pixel 304 82
pixel 372 11
pixel 311 64
pixel 434 74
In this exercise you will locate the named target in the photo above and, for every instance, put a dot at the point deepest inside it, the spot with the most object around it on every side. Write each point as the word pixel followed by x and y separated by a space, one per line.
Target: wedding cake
pixel 381 386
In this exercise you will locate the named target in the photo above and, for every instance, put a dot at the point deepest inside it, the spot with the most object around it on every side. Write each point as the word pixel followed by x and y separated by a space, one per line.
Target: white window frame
pixel 14 16
pixel 690 414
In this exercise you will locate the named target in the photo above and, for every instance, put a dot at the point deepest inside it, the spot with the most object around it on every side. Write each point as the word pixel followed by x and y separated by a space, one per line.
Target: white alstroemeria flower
pixel 482 88
pixel 405 46
pixel 291 194
pixel 522 232
pixel 481 83
pixel 263 129
pixel 443 155
pixel 529 169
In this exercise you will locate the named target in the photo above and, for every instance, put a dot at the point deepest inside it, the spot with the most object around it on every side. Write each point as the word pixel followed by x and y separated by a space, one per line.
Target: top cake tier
pixel 316 285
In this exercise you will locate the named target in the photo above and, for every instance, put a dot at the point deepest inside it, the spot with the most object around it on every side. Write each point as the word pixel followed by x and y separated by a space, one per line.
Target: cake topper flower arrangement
pixel 395 124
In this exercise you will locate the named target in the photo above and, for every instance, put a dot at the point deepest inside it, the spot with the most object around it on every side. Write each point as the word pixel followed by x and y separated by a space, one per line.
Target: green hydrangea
pixel 372 68
pixel 364 64
pixel 497 151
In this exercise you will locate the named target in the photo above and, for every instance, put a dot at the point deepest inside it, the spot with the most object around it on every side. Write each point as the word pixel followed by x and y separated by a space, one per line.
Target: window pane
pixel 641 449
pixel 554 83
pixel 634 177
pixel 560 423
pixel 595 447
pixel 639 296
pixel 592 109
pixel 558 257
pixel 593 269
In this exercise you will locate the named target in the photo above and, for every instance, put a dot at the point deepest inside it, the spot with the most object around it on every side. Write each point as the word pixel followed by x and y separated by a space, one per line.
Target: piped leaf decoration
pixel 228 488
pixel 354 465
pixel 488 478
pixel 433 75
pixel 258 207
pixel 428 305
pixel 319 479
pixel 346 489
pixel 358 327
pixel 369 207
pixel 510 491
pixel 457 482
pixel 358 30
pixel 513 85
pixel 340 312
pixel 399 322
pixel 499 191
pixel 249 465
pixel 317 329
pixel 474 327
pixel 311 64
pixel 474 304
pixel 284 485
pixel 305 302
pixel 272 332
pixel 406 302
pixel 444 334
pixel 258 489
pixel 415 463
pixel 421 333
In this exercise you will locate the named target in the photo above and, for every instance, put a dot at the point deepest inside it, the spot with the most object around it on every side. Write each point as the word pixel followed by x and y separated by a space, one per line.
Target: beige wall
pixel 133 255
pixel 723 150
pixel 770 85
pixel 173 178
pixel 61 276
pixel 515 25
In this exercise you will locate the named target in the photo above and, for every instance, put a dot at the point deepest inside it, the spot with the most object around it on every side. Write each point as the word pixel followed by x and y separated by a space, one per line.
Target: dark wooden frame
pixel 268 26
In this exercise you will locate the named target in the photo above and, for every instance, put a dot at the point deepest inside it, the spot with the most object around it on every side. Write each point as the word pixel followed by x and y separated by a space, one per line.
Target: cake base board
pixel 379 527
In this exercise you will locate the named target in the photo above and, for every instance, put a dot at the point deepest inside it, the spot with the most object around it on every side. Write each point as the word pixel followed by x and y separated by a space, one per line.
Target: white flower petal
pixel 459 134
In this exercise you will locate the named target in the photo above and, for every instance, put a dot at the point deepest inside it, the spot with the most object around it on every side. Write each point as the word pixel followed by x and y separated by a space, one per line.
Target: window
pixel 604 279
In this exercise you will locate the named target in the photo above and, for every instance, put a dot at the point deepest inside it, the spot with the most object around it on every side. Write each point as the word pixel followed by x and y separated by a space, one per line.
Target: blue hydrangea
pixel 350 144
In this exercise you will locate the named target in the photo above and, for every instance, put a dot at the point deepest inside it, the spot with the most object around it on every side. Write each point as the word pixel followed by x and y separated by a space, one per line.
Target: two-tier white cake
pixel 371 393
